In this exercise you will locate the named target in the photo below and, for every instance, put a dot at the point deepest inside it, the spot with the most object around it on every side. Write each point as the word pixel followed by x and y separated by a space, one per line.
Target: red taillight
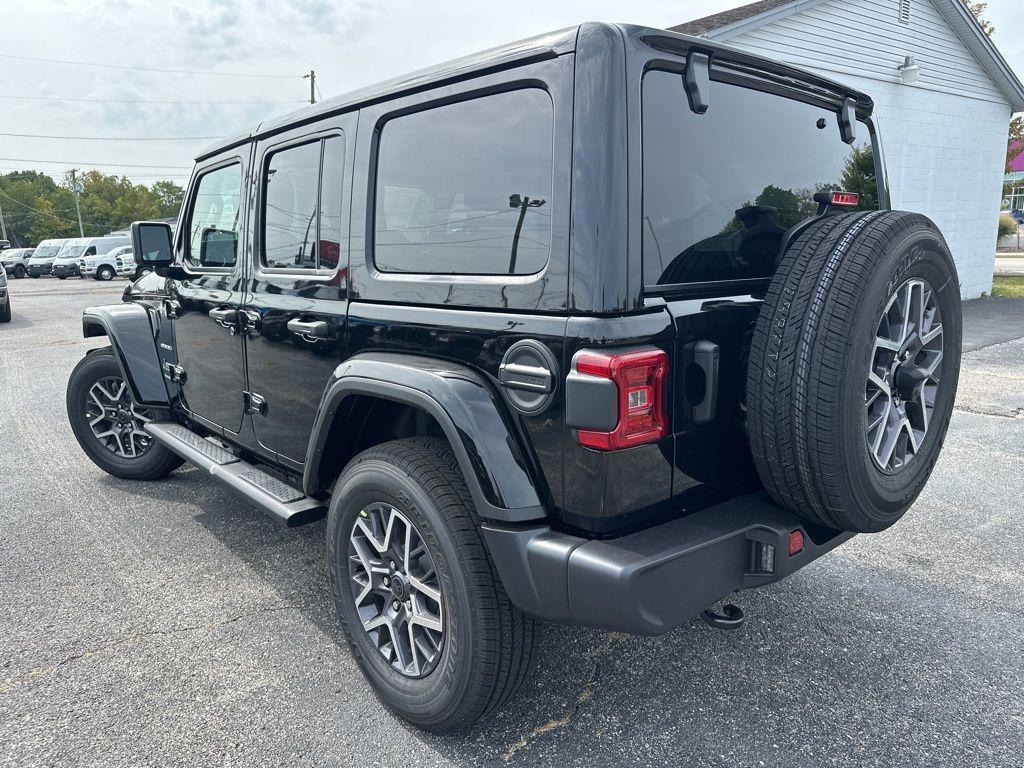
pixel 640 379
pixel 796 542
pixel 845 199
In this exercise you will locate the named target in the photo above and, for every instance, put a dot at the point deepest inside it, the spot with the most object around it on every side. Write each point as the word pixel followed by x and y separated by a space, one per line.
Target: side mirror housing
pixel 218 247
pixel 152 243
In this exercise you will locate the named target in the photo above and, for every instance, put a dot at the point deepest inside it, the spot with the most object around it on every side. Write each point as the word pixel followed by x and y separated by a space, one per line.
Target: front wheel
pixel 5 312
pixel 109 426
pixel 423 610
pixel 19 272
pixel 105 274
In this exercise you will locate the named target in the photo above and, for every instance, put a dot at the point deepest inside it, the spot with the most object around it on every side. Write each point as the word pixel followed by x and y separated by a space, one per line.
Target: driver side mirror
pixel 152 243
pixel 218 247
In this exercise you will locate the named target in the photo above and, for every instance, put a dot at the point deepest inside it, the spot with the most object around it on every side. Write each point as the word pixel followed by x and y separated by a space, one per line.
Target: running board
pixel 281 501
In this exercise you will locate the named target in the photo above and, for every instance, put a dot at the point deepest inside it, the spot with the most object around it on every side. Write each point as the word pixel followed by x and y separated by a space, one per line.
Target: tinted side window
pixel 329 249
pixel 290 207
pixel 302 206
pixel 720 189
pixel 213 222
pixel 466 188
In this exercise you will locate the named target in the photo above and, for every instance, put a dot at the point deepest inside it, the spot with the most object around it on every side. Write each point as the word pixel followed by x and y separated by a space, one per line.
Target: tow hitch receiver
pixel 731 619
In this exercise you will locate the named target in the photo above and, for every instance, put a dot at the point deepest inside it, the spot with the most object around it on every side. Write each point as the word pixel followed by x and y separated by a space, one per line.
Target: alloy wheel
pixel 114 419
pixel 904 375
pixel 396 589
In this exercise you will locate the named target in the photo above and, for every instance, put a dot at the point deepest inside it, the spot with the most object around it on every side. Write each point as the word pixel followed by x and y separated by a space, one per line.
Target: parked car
pixel 560 331
pixel 104 266
pixel 4 245
pixel 15 260
pixel 41 262
pixel 1016 214
pixel 5 297
pixel 68 261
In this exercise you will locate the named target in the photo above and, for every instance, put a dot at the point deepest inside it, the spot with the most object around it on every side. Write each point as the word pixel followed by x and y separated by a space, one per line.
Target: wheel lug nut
pixel 387 581
pixel 396 605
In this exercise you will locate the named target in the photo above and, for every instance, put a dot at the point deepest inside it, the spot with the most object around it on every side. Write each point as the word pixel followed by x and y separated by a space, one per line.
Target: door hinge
pixel 254 403
pixel 175 373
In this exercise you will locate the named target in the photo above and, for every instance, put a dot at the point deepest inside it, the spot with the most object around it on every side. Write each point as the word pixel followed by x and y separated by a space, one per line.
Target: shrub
pixel 1007 226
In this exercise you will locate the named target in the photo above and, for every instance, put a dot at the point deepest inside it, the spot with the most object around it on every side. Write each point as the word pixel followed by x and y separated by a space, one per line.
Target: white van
pixel 67 262
pixel 43 256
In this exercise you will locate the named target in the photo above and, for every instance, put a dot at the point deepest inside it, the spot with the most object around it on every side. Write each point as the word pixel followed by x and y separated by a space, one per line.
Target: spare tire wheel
pixel 853 368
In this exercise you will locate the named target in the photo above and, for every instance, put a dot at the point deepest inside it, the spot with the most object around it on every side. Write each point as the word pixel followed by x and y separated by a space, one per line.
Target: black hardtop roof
pixel 535 48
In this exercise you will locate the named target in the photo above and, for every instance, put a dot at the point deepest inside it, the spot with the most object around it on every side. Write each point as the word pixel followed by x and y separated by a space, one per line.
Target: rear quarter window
pixel 721 189
pixel 465 188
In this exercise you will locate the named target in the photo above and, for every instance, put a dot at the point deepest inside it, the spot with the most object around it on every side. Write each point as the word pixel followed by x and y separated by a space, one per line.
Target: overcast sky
pixel 349 43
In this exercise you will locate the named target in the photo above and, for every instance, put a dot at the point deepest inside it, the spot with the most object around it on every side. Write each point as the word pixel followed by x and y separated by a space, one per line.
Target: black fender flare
pixel 484 441
pixel 131 334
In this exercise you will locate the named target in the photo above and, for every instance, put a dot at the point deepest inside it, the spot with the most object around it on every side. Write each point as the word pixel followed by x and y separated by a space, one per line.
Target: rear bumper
pixel 652 581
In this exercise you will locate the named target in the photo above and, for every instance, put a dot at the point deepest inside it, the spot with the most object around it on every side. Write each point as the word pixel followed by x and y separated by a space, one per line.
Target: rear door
pixel 298 292
pixel 205 306
pixel 720 191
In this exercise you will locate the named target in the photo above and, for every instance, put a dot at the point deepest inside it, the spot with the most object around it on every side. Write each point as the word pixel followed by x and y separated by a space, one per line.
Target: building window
pixel 465 188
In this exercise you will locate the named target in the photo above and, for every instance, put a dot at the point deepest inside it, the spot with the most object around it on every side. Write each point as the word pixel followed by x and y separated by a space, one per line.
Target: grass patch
pixel 1008 285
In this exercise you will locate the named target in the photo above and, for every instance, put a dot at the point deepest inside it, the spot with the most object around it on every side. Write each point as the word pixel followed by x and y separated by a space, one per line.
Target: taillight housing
pixel 844 199
pixel 639 377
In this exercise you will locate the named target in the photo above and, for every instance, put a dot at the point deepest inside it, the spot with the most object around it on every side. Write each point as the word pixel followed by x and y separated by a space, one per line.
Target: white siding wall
pixel 943 138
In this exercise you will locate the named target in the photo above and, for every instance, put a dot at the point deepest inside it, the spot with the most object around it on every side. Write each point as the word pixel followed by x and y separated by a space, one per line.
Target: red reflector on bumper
pixel 796 542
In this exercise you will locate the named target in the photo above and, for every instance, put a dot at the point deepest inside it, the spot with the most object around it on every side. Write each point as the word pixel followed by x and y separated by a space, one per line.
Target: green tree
pixel 170 196
pixel 976 9
pixel 859 176
pixel 38 208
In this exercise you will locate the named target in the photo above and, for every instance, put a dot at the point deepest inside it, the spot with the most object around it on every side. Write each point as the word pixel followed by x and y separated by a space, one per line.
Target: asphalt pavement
pixel 171 624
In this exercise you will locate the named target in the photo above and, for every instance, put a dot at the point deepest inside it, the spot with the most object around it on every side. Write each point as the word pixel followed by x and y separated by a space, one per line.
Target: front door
pixel 205 307
pixel 298 297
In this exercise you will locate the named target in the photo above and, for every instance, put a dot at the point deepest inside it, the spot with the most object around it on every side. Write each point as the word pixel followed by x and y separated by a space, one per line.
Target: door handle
pixel 312 329
pixel 225 316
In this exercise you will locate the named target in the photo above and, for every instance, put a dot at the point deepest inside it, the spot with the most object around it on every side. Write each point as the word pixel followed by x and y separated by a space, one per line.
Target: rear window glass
pixel 466 188
pixel 721 189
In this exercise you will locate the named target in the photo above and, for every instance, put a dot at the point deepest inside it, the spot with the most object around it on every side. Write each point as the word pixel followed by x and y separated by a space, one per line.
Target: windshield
pixel 46 252
pixel 71 251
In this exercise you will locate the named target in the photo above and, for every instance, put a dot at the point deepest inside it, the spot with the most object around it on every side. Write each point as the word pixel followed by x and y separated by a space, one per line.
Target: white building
pixel 943 126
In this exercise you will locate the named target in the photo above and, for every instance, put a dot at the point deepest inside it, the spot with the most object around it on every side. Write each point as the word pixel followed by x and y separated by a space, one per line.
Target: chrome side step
pixel 281 501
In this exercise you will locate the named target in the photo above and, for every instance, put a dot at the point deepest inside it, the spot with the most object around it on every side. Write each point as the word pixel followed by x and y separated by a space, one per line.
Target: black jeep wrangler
pixel 599 327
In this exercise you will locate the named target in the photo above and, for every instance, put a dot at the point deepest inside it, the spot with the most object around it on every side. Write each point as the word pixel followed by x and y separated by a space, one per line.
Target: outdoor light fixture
pixel 908 70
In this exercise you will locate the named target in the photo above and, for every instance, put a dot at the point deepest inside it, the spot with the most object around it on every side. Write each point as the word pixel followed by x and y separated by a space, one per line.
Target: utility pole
pixel 78 209
pixel 312 85
pixel 3 224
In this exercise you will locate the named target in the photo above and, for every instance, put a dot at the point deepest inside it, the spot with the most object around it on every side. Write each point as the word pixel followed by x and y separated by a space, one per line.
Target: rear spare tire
pixel 853 368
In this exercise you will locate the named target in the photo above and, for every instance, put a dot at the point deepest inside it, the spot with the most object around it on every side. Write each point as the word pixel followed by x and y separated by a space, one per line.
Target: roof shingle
pixel 699 27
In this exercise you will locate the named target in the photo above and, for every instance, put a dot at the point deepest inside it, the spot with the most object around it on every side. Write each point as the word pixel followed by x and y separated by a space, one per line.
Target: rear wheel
pixel 424 612
pixel 109 426
pixel 853 368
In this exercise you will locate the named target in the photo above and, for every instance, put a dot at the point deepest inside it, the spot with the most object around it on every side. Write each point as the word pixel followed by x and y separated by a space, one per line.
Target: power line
pixel 84 162
pixel 114 138
pixel 145 101
pixel 148 69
